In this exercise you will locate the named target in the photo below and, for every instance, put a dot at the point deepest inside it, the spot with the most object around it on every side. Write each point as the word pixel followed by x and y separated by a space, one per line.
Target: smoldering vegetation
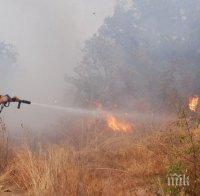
pixel 137 87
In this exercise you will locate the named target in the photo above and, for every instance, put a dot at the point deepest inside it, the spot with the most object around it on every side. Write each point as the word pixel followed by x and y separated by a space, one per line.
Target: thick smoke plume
pixel 47 37
pixel 144 57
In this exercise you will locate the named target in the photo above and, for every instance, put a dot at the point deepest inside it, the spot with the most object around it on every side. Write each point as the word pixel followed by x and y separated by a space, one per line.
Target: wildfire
pixel 193 103
pixel 118 125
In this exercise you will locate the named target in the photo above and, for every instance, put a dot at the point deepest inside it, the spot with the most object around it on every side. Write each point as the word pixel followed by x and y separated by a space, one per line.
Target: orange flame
pixel 193 103
pixel 118 125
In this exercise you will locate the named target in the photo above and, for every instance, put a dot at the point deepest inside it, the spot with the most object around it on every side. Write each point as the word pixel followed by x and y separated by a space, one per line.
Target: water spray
pixel 6 100
pixel 67 109
pixel 83 111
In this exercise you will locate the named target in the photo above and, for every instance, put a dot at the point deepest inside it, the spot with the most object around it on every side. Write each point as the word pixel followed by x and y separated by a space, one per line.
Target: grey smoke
pixel 48 35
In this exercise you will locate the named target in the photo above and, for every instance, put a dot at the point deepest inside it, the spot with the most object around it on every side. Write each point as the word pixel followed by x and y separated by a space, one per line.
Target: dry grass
pixel 104 164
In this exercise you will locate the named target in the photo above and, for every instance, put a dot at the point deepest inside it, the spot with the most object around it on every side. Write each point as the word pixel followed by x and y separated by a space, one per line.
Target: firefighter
pixel 5 101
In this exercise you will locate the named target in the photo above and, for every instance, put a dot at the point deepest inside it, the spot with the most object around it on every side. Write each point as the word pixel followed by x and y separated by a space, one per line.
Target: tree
pixel 8 58
pixel 150 52
pixel 99 78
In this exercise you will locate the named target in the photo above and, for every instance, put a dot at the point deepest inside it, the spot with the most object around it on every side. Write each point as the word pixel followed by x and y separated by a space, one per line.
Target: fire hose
pixel 6 100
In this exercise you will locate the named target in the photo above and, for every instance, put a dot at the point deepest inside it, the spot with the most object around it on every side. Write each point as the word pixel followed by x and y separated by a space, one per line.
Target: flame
pixel 118 125
pixel 193 103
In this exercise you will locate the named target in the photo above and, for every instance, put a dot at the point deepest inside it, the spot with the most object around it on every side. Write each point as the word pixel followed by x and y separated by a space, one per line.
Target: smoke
pixel 153 42
pixel 48 36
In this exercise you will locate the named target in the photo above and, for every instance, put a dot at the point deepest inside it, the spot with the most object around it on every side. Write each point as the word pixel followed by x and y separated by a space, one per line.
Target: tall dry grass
pixel 95 161
pixel 5 151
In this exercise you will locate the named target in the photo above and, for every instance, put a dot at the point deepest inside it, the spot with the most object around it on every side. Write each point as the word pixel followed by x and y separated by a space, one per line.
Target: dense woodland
pixel 143 57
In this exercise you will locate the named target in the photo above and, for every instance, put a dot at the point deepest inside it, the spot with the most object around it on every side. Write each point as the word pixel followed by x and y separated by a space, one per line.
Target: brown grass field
pixel 93 160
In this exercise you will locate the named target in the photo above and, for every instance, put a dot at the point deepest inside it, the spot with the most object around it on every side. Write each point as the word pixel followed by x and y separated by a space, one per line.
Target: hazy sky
pixel 48 35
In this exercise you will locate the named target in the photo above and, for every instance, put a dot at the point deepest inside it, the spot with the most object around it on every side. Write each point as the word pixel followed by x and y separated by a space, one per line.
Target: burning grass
pixel 118 125
pixel 101 162
pixel 193 103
